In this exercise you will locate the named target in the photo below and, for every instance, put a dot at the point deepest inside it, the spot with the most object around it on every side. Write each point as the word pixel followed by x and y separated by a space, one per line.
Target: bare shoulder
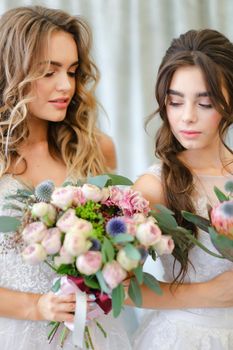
pixel 151 188
pixel 109 151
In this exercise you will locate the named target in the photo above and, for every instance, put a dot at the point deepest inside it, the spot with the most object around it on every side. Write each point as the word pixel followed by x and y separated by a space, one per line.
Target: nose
pixel 63 82
pixel 189 114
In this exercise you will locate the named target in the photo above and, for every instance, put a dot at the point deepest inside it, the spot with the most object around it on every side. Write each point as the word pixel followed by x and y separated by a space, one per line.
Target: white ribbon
pixel 80 318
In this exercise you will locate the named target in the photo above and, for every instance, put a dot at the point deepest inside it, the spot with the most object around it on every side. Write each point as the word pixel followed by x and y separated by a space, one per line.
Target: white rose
pixel 62 197
pixel 34 232
pixel 52 241
pixel 67 220
pixel 165 245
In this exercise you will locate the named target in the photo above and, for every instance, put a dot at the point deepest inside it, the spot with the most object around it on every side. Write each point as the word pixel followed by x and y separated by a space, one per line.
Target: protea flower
pixel 222 218
pixel 44 191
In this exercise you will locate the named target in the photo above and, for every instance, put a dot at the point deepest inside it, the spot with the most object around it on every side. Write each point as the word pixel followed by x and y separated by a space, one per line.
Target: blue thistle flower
pixel 44 190
pixel 116 226
pixel 96 246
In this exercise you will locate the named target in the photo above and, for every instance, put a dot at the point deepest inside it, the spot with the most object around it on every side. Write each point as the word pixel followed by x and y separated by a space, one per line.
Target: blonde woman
pixel 47 131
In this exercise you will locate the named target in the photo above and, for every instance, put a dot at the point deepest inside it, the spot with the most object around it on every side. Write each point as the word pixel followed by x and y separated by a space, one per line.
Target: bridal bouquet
pixel 95 235
pixel 219 225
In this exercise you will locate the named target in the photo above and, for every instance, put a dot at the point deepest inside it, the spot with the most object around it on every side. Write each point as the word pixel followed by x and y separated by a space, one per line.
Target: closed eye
pixel 207 106
pixel 175 104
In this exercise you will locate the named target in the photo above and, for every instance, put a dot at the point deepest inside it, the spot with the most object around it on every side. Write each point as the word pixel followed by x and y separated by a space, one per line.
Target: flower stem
pixel 53 332
pixel 89 338
pixel 101 328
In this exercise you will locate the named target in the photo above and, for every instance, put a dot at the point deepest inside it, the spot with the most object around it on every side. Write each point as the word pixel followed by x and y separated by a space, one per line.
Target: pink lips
pixel 60 103
pixel 190 133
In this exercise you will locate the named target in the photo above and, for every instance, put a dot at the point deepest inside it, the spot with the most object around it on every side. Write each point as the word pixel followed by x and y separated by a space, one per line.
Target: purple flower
pixel 95 244
pixel 116 226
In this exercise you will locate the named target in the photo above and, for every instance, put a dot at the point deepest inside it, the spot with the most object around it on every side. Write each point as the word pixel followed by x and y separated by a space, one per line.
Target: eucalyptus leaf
pixel 103 286
pixel 9 224
pixel 122 238
pixel 165 220
pixel 99 180
pixel 164 210
pixel 56 286
pixel 134 292
pixel 91 282
pixel 152 283
pixel 197 220
pixel 222 243
pixel 220 195
pixel 118 297
pixel 139 274
pixel 132 252
pixel 108 249
pixel 120 180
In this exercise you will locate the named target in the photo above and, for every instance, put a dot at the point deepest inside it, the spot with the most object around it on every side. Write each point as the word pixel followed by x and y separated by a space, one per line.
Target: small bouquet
pixel 219 225
pixel 95 235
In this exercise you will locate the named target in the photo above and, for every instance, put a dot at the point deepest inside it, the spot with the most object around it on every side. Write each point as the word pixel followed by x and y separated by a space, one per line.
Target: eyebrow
pixel 177 93
pixel 58 64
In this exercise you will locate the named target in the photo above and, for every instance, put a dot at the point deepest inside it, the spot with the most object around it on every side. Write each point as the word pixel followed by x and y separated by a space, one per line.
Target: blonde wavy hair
pixel 24 34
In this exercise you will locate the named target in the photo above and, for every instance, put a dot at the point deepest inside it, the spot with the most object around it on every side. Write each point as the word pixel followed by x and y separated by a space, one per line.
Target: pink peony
pixel 75 243
pixel 165 245
pixel 132 202
pixel 222 218
pixel 113 274
pixel 67 220
pixel 34 254
pixel 52 241
pixel 148 233
pixel 34 232
pixel 126 262
pixel 83 227
pixel 78 198
pixel 62 197
pixel 63 258
pixel 92 192
pixel 89 262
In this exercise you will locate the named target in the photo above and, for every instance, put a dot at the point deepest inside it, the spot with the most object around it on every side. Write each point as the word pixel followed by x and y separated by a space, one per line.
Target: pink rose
pixel 132 202
pixel 126 262
pixel 165 245
pixel 78 198
pixel 75 243
pixel 34 232
pixel 52 241
pixel 148 233
pixel 92 192
pixel 89 262
pixel 62 197
pixel 63 258
pixel 67 220
pixel 113 274
pixel 34 254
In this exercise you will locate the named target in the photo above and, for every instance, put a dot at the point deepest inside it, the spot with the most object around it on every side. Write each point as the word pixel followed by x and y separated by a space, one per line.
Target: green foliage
pixel 197 220
pixel 109 180
pixel 107 250
pixel 138 274
pixel 56 286
pixel 90 211
pixel 152 283
pixel 135 293
pixel 222 243
pixel 220 195
pixel 118 297
pixel 103 286
pixel 122 238
pixel 9 224
pixel 91 282
pixel 132 252
pixel 68 269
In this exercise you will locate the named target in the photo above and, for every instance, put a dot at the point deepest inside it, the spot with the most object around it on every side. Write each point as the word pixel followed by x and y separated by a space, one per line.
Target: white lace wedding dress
pixel 193 329
pixel 17 275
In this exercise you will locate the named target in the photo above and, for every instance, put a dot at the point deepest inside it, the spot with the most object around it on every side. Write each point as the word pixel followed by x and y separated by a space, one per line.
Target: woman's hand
pixel 52 307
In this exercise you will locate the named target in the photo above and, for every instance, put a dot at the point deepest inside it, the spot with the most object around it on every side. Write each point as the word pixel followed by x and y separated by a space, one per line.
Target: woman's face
pixel 55 90
pixel 191 115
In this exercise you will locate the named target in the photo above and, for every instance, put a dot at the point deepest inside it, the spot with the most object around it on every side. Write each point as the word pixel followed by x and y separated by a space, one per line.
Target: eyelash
pixel 71 74
pixel 177 104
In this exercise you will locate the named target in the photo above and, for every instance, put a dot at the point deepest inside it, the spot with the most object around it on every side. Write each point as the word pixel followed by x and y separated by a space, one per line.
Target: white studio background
pixel 129 40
